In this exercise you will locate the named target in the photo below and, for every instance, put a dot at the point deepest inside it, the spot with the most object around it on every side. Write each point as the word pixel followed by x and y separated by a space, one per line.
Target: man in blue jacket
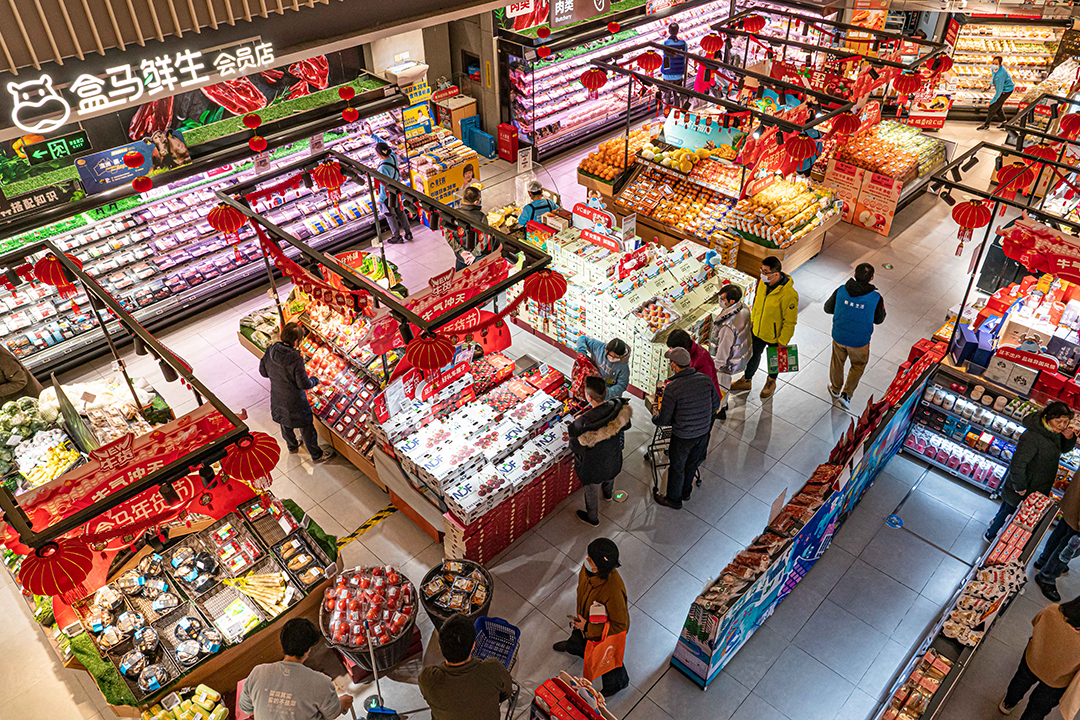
pixel 674 68
pixel 390 208
pixel 1003 88
pixel 856 308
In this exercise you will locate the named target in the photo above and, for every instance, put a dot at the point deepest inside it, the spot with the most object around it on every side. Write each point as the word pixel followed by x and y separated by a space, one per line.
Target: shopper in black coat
pixel 289 383
pixel 596 439
pixel 689 404
pixel 1034 464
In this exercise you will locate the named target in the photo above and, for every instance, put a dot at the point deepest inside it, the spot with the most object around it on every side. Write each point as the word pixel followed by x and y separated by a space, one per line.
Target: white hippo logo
pixel 37 97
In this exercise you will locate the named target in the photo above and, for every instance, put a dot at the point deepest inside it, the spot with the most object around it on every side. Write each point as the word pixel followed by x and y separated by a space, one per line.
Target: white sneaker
pixel 845 401
pixel 835 394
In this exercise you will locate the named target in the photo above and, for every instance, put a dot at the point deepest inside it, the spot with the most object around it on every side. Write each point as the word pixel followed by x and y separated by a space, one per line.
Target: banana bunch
pixel 267 590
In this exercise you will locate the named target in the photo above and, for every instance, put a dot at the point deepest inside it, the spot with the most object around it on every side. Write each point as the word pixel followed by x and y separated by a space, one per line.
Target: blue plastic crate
pixel 483 143
pixel 470 123
pixel 497 639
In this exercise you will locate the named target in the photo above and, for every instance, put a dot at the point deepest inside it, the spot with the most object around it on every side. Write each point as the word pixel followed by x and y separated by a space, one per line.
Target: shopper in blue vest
pixel 390 207
pixel 674 68
pixel 856 308
pixel 538 207
pixel 1003 87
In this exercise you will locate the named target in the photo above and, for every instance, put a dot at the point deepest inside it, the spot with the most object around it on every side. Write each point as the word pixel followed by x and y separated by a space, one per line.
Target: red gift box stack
pixel 563 703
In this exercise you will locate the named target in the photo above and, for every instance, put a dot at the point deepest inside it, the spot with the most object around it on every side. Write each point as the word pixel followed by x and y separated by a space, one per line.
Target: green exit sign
pixel 71 145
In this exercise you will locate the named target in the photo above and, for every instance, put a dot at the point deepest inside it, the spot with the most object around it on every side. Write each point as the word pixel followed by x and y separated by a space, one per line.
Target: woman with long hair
pixel 1050 660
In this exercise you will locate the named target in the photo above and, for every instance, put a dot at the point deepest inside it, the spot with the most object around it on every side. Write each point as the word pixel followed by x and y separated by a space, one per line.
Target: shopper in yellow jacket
pixel 772 320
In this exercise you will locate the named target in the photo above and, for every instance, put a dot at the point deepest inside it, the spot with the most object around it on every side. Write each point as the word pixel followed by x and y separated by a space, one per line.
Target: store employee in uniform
pixel 538 207
pixel 1002 83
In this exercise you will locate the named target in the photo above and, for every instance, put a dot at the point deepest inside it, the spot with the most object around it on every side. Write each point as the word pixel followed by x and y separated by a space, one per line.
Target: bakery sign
pixel 39 106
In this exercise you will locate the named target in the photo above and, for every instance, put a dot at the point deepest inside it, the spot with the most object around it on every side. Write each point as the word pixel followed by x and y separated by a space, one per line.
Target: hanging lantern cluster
pixel 257 143
pixel 50 271
pixel 429 351
pixel 252 458
pixel 940 64
pixel 970 215
pixel 349 114
pixel 328 176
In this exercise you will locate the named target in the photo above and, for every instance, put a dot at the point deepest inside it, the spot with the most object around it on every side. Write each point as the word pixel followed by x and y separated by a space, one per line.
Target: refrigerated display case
pixel 157 254
pixel 1027 48
pixel 554 112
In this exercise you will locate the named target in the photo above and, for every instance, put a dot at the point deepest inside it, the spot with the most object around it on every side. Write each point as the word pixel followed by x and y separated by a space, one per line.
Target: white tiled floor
pixel 830 649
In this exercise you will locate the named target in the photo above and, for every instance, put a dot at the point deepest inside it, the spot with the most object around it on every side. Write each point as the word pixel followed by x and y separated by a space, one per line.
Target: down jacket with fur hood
pixel 595 438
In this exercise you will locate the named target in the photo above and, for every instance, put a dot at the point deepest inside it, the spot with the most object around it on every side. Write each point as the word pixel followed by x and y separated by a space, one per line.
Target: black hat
pixel 605 554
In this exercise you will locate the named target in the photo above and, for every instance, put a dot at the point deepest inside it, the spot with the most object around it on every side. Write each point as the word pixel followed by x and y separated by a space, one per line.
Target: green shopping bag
pixel 782 358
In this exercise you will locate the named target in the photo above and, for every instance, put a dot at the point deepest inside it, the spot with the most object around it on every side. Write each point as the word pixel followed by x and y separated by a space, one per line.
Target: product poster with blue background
pixel 106 169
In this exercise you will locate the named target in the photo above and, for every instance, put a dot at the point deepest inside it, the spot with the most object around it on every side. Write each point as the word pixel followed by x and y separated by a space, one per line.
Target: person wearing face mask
pixel 1002 83
pixel 596 441
pixel 729 341
pixel 611 360
pixel 603 616
pixel 1035 462
pixel 773 316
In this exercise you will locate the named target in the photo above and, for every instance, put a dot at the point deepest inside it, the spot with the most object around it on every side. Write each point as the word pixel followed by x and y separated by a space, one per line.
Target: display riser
pixel 795 255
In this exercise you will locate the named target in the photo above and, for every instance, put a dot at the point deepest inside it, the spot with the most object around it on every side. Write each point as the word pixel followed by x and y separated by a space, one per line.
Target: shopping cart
pixel 657 456
pixel 498 639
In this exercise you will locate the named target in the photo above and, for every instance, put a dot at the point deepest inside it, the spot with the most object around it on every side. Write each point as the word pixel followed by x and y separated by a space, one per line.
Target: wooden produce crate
pixel 751 254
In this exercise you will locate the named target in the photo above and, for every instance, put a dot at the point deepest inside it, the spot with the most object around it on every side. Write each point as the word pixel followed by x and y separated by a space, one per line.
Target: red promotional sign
pixel 830 83
pixel 951 32
pixel 445 93
pixel 445 291
pixel 773 160
pixel 1035 361
pixel 444 378
pixel 591 217
pixel 1042 249
pixel 602 240
pixel 121 463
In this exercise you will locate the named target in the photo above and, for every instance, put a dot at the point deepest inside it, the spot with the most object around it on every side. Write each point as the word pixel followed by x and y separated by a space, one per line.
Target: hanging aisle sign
pixel 564 12
pixel 39 106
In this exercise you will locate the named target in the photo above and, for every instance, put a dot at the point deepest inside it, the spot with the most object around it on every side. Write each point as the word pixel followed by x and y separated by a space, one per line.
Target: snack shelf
pixel 980 453
pixel 348 357
pixel 53 333
pixel 961 418
pixel 676 175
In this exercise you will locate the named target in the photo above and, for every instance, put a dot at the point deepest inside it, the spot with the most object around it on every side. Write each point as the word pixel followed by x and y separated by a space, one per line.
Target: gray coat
pixel 729 341
pixel 1034 464
pixel 690 401
pixel 289 382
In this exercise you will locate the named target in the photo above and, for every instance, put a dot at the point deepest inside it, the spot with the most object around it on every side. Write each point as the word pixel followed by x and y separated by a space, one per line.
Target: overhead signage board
pixel 103 170
pixel 564 12
pixel 40 105
pixel 37 200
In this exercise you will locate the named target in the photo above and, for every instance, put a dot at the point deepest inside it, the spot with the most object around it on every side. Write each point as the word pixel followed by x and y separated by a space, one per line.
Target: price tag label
pixel 88 397
pixel 665 189
pixel 116 365
pixel 14 440
pixel 262 162
pixel 306 521
pixel 685 304
pixel 330 570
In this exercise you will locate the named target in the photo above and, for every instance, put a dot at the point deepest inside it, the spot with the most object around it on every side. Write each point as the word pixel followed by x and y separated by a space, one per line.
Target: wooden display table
pixel 751 254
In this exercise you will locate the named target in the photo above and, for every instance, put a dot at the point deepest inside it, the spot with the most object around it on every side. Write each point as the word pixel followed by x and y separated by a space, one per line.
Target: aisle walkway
pixel 830 649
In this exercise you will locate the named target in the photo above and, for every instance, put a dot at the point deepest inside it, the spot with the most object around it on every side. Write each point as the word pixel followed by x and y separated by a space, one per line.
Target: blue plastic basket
pixel 496 639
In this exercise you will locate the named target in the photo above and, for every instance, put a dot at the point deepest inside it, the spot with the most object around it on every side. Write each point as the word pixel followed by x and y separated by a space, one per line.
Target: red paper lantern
pixel 543 51
pixel 712 44
pixel 328 176
pixel 546 287
pixel 142 184
pixel 970 215
pixel 753 23
pixel 1070 125
pixel 56 568
pixel 845 124
pixel 346 92
pixel 429 351
pixel 908 82
pixel 800 147
pixel 1043 150
pixel 593 79
pixel 940 64
pixel 257 143
pixel 613 27
pixel 543 33
pixel 133 159
pixel 51 271
pixel 649 61
pixel 226 219
pixel 252 458
pixel 350 114
pixel 252 121
pixel 1014 178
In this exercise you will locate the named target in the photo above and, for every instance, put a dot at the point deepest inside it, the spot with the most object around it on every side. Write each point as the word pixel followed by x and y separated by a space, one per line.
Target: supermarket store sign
pixel 38 106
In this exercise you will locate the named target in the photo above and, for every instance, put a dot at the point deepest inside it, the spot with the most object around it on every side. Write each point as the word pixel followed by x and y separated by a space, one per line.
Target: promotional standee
pixel 143 542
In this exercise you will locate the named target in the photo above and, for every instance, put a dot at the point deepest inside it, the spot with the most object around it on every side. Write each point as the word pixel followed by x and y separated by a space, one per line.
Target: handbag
pixel 603 655
pixel 584 367
pixel 782 358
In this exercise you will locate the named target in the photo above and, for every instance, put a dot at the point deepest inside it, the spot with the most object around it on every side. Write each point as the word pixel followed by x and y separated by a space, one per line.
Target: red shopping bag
pixel 584 367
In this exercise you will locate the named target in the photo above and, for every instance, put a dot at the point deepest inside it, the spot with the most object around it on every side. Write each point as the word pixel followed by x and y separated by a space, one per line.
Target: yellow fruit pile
pixel 682 159
pixel 608 159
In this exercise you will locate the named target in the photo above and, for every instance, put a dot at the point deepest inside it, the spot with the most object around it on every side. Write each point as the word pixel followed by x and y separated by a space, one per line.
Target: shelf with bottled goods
pixel 160 255
pixel 1027 52
pixel 549 106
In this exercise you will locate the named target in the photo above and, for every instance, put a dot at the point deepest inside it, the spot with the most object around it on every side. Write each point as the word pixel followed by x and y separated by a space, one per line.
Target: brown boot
pixel 742 385
pixel 769 389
